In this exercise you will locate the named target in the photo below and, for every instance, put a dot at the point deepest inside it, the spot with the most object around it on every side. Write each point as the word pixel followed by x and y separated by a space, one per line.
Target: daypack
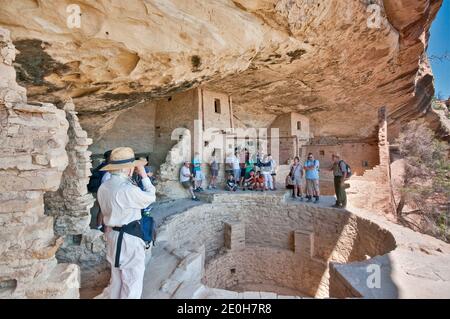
pixel 148 226
pixel 348 168
pixel 147 221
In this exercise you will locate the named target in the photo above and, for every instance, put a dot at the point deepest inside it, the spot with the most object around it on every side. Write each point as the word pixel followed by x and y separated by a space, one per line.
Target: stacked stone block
pixel 373 190
pixel 71 205
pixel 234 235
pixel 32 159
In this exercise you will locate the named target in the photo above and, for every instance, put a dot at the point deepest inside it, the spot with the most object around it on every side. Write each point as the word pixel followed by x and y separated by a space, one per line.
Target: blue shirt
pixel 196 163
pixel 314 173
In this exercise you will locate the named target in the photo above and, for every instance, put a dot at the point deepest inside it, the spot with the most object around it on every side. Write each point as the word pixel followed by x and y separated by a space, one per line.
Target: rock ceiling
pixel 322 58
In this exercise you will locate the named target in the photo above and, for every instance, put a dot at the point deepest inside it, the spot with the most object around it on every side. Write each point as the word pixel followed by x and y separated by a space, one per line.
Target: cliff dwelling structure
pixel 170 78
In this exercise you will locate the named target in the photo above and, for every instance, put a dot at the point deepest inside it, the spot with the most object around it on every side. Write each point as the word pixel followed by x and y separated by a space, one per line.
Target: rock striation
pixel 323 59
pixel 33 158
pixel 71 207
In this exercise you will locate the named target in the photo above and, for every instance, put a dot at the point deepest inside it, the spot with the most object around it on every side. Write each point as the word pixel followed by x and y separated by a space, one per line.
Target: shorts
pixel 198 175
pixel 249 184
pixel 298 181
pixel 186 184
pixel 312 186
pixel 214 172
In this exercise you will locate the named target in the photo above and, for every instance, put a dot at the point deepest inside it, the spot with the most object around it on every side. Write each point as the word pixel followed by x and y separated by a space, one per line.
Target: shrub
pixel 426 186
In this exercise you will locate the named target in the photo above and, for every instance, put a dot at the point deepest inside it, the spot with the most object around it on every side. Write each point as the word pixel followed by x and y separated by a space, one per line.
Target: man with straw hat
pixel 121 202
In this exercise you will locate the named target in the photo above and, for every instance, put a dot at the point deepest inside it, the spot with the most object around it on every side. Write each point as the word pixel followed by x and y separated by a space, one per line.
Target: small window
pixel 299 125
pixel 233 271
pixel 365 163
pixel 206 143
pixel 217 106
pixel 322 153
pixel 75 240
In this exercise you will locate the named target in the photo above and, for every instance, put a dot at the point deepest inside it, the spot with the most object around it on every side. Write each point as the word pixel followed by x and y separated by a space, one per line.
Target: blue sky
pixel 438 46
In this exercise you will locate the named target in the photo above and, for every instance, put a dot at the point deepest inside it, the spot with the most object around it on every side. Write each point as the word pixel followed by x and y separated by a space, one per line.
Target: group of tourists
pixel 309 171
pixel 242 172
pixel 125 188
pixel 258 173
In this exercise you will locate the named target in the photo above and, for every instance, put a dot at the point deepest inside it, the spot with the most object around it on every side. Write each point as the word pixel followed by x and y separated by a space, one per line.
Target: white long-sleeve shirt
pixel 121 201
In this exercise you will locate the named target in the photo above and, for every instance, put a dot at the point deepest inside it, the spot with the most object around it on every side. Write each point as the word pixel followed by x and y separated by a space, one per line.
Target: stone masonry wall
pixel 270 229
pixel 373 189
pixel 33 157
pixel 169 172
pixel 70 206
pixel 134 128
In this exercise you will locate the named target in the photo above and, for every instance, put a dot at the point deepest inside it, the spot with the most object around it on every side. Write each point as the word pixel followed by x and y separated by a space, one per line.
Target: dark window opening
pixel 365 163
pixel 299 125
pixel 322 153
pixel 217 106
pixel 8 286
pixel 206 143
pixel 75 240
pixel 233 271
pixel 169 99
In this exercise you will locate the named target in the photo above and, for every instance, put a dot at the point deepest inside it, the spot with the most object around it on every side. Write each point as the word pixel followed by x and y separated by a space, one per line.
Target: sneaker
pixel 317 200
pixel 195 199
pixel 209 187
pixel 301 198
pixel 336 206
pixel 214 187
pixel 309 200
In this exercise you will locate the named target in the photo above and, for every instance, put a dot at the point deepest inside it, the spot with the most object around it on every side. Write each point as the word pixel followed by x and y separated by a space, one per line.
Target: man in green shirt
pixel 339 169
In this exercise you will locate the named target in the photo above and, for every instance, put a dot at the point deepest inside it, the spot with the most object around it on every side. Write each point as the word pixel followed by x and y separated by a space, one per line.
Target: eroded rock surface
pixel 32 160
pixel 321 58
pixel 70 205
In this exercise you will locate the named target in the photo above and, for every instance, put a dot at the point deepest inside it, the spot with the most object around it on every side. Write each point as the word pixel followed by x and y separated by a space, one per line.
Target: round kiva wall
pixel 262 243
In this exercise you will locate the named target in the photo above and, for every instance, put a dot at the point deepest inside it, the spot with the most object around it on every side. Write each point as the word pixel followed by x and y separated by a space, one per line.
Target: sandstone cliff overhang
pixel 335 61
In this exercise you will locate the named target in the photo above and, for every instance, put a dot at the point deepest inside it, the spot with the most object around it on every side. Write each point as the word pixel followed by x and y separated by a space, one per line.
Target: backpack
pixel 96 179
pixel 348 168
pixel 148 228
pixel 147 223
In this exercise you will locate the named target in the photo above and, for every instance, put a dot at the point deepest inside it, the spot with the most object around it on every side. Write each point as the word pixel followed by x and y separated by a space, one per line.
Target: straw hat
pixel 122 157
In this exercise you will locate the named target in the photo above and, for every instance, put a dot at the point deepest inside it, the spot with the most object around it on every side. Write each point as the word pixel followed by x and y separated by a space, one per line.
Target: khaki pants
pixel 312 187
pixel 339 188
pixel 127 281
